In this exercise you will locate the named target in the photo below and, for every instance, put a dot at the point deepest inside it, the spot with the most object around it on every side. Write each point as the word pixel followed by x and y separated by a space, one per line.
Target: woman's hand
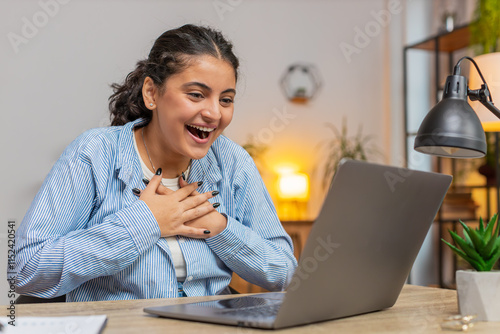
pixel 214 221
pixel 174 210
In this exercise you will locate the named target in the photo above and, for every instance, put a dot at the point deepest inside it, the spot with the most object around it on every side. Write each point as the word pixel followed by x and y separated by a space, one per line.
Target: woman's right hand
pixel 172 209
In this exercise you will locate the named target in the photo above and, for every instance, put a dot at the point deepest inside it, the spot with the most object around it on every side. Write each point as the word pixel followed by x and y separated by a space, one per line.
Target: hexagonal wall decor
pixel 301 82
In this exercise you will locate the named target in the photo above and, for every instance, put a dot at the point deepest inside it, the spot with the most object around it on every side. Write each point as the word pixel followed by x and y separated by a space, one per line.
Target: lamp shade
pixel 490 65
pixel 452 128
pixel 293 186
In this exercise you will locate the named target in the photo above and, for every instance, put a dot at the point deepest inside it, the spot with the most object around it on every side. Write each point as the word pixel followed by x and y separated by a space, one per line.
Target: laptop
pixel 357 257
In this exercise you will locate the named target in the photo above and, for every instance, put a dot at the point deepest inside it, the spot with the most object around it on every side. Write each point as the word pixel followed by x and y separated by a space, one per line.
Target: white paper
pixel 55 325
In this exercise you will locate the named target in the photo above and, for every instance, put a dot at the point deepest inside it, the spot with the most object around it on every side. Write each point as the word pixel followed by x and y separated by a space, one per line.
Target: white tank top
pixel 173 244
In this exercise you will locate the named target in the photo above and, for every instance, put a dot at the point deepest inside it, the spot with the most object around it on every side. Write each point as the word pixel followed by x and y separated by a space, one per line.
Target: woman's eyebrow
pixel 229 90
pixel 198 84
pixel 205 87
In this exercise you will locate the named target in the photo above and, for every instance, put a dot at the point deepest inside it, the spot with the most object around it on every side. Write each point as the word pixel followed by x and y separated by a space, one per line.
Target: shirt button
pixel 189 278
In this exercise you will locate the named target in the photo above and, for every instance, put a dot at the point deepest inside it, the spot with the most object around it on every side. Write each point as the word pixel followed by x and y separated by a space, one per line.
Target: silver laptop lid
pixel 364 242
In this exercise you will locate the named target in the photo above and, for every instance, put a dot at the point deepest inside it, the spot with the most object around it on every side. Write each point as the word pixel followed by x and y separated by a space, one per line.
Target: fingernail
pixel 183 176
pixel 200 183
pixel 136 191
pixel 215 193
pixel 158 171
pixel 216 205
pixel 146 181
pixel 206 232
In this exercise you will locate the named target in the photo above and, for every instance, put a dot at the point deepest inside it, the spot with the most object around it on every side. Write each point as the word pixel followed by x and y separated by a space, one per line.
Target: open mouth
pixel 199 131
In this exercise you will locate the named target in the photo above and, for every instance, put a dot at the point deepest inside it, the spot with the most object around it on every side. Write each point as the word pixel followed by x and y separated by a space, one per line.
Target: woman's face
pixel 196 106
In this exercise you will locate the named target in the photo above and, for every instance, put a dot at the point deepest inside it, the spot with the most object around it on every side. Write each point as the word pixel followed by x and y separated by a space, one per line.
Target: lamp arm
pixel 491 107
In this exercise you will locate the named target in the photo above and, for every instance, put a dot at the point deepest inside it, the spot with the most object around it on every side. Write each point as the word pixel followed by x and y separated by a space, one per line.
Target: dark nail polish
pixel 200 183
pixel 146 181
pixel 158 171
pixel 136 191
pixel 215 193
pixel 206 232
pixel 183 176
pixel 216 205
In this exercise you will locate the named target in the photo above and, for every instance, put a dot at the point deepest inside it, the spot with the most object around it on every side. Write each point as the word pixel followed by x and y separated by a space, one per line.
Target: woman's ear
pixel 149 91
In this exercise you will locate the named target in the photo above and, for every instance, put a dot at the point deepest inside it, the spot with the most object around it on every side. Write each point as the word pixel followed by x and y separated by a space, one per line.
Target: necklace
pixel 147 152
pixel 149 157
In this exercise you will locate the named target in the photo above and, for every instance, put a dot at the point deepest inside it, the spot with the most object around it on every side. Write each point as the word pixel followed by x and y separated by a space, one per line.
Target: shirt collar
pixel 129 165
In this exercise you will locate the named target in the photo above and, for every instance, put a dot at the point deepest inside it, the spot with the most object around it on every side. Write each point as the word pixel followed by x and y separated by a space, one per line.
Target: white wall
pixel 55 84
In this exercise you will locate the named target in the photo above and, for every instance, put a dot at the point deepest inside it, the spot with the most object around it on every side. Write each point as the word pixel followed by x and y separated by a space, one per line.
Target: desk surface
pixel 418 310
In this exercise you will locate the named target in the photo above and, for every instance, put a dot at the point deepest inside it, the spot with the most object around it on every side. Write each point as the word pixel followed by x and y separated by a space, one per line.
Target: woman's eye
pixel 196 95
pixel 226 101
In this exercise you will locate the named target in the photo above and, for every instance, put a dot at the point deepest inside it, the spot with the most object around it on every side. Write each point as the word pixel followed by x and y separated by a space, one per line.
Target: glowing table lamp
pixel 293 186
pixel 293 191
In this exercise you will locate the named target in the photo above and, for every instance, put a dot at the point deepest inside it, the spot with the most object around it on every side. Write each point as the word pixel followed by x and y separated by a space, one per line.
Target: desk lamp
pixel 452 128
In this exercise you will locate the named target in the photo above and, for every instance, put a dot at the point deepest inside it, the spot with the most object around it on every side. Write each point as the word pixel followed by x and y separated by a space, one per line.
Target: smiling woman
pixel 160 204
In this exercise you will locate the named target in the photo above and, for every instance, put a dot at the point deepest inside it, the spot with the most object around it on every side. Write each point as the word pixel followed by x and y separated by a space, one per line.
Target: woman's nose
pixel 212 111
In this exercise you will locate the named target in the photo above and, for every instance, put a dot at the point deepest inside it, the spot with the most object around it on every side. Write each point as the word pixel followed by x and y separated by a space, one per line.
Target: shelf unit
pixel 446 43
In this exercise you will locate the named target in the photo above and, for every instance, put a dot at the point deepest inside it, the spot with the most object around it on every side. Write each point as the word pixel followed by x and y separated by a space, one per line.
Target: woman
pixel 159 204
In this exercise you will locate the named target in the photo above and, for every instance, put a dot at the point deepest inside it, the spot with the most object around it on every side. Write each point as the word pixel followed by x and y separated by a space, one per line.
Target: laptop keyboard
pixel 261 311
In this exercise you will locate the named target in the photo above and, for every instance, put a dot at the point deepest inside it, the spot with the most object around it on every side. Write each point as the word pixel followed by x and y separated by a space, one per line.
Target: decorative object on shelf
pixel 301 82
pixel 458 204
pixel 449 19
pixel 478 290
pixel 358 147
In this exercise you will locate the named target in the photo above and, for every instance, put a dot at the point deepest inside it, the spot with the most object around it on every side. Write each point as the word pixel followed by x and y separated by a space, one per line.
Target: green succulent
pixel 480 247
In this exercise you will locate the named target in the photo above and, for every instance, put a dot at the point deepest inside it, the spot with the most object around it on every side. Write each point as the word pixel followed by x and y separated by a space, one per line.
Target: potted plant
pixel 479 290
pixel 358 147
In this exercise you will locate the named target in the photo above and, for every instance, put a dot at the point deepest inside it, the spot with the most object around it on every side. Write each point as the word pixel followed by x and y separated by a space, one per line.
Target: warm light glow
pixel 293 186
pixel 489 64
pixel 491 126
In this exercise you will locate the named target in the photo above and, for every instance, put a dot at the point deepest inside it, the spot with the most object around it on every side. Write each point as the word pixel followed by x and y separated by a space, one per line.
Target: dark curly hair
pixel 169 55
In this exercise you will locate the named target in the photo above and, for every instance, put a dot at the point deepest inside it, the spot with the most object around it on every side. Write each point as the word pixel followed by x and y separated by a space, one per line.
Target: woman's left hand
pixel 214 221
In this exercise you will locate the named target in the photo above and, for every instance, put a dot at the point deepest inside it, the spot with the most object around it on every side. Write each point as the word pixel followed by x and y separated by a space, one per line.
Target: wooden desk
pixel 418 310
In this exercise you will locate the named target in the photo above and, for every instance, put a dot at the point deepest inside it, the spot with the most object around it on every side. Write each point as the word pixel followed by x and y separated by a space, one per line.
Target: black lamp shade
pixel 452 128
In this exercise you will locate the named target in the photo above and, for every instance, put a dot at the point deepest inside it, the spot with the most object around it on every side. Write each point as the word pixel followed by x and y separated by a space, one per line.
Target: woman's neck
pixel 153 156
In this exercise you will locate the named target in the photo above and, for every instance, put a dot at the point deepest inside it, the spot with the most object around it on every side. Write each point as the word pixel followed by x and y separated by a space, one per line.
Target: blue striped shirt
pixel 88 236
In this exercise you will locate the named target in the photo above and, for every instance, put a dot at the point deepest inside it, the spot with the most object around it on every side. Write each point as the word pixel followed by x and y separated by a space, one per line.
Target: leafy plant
pixel 485 29
pixel 480 247
pixel 358 147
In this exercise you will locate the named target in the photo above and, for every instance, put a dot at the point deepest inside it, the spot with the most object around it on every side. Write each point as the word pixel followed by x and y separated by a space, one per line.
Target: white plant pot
pixel 479 293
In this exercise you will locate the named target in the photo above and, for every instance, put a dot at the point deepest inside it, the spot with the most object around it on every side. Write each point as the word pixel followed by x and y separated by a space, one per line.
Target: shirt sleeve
pixel 254 244
pixel 57 251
